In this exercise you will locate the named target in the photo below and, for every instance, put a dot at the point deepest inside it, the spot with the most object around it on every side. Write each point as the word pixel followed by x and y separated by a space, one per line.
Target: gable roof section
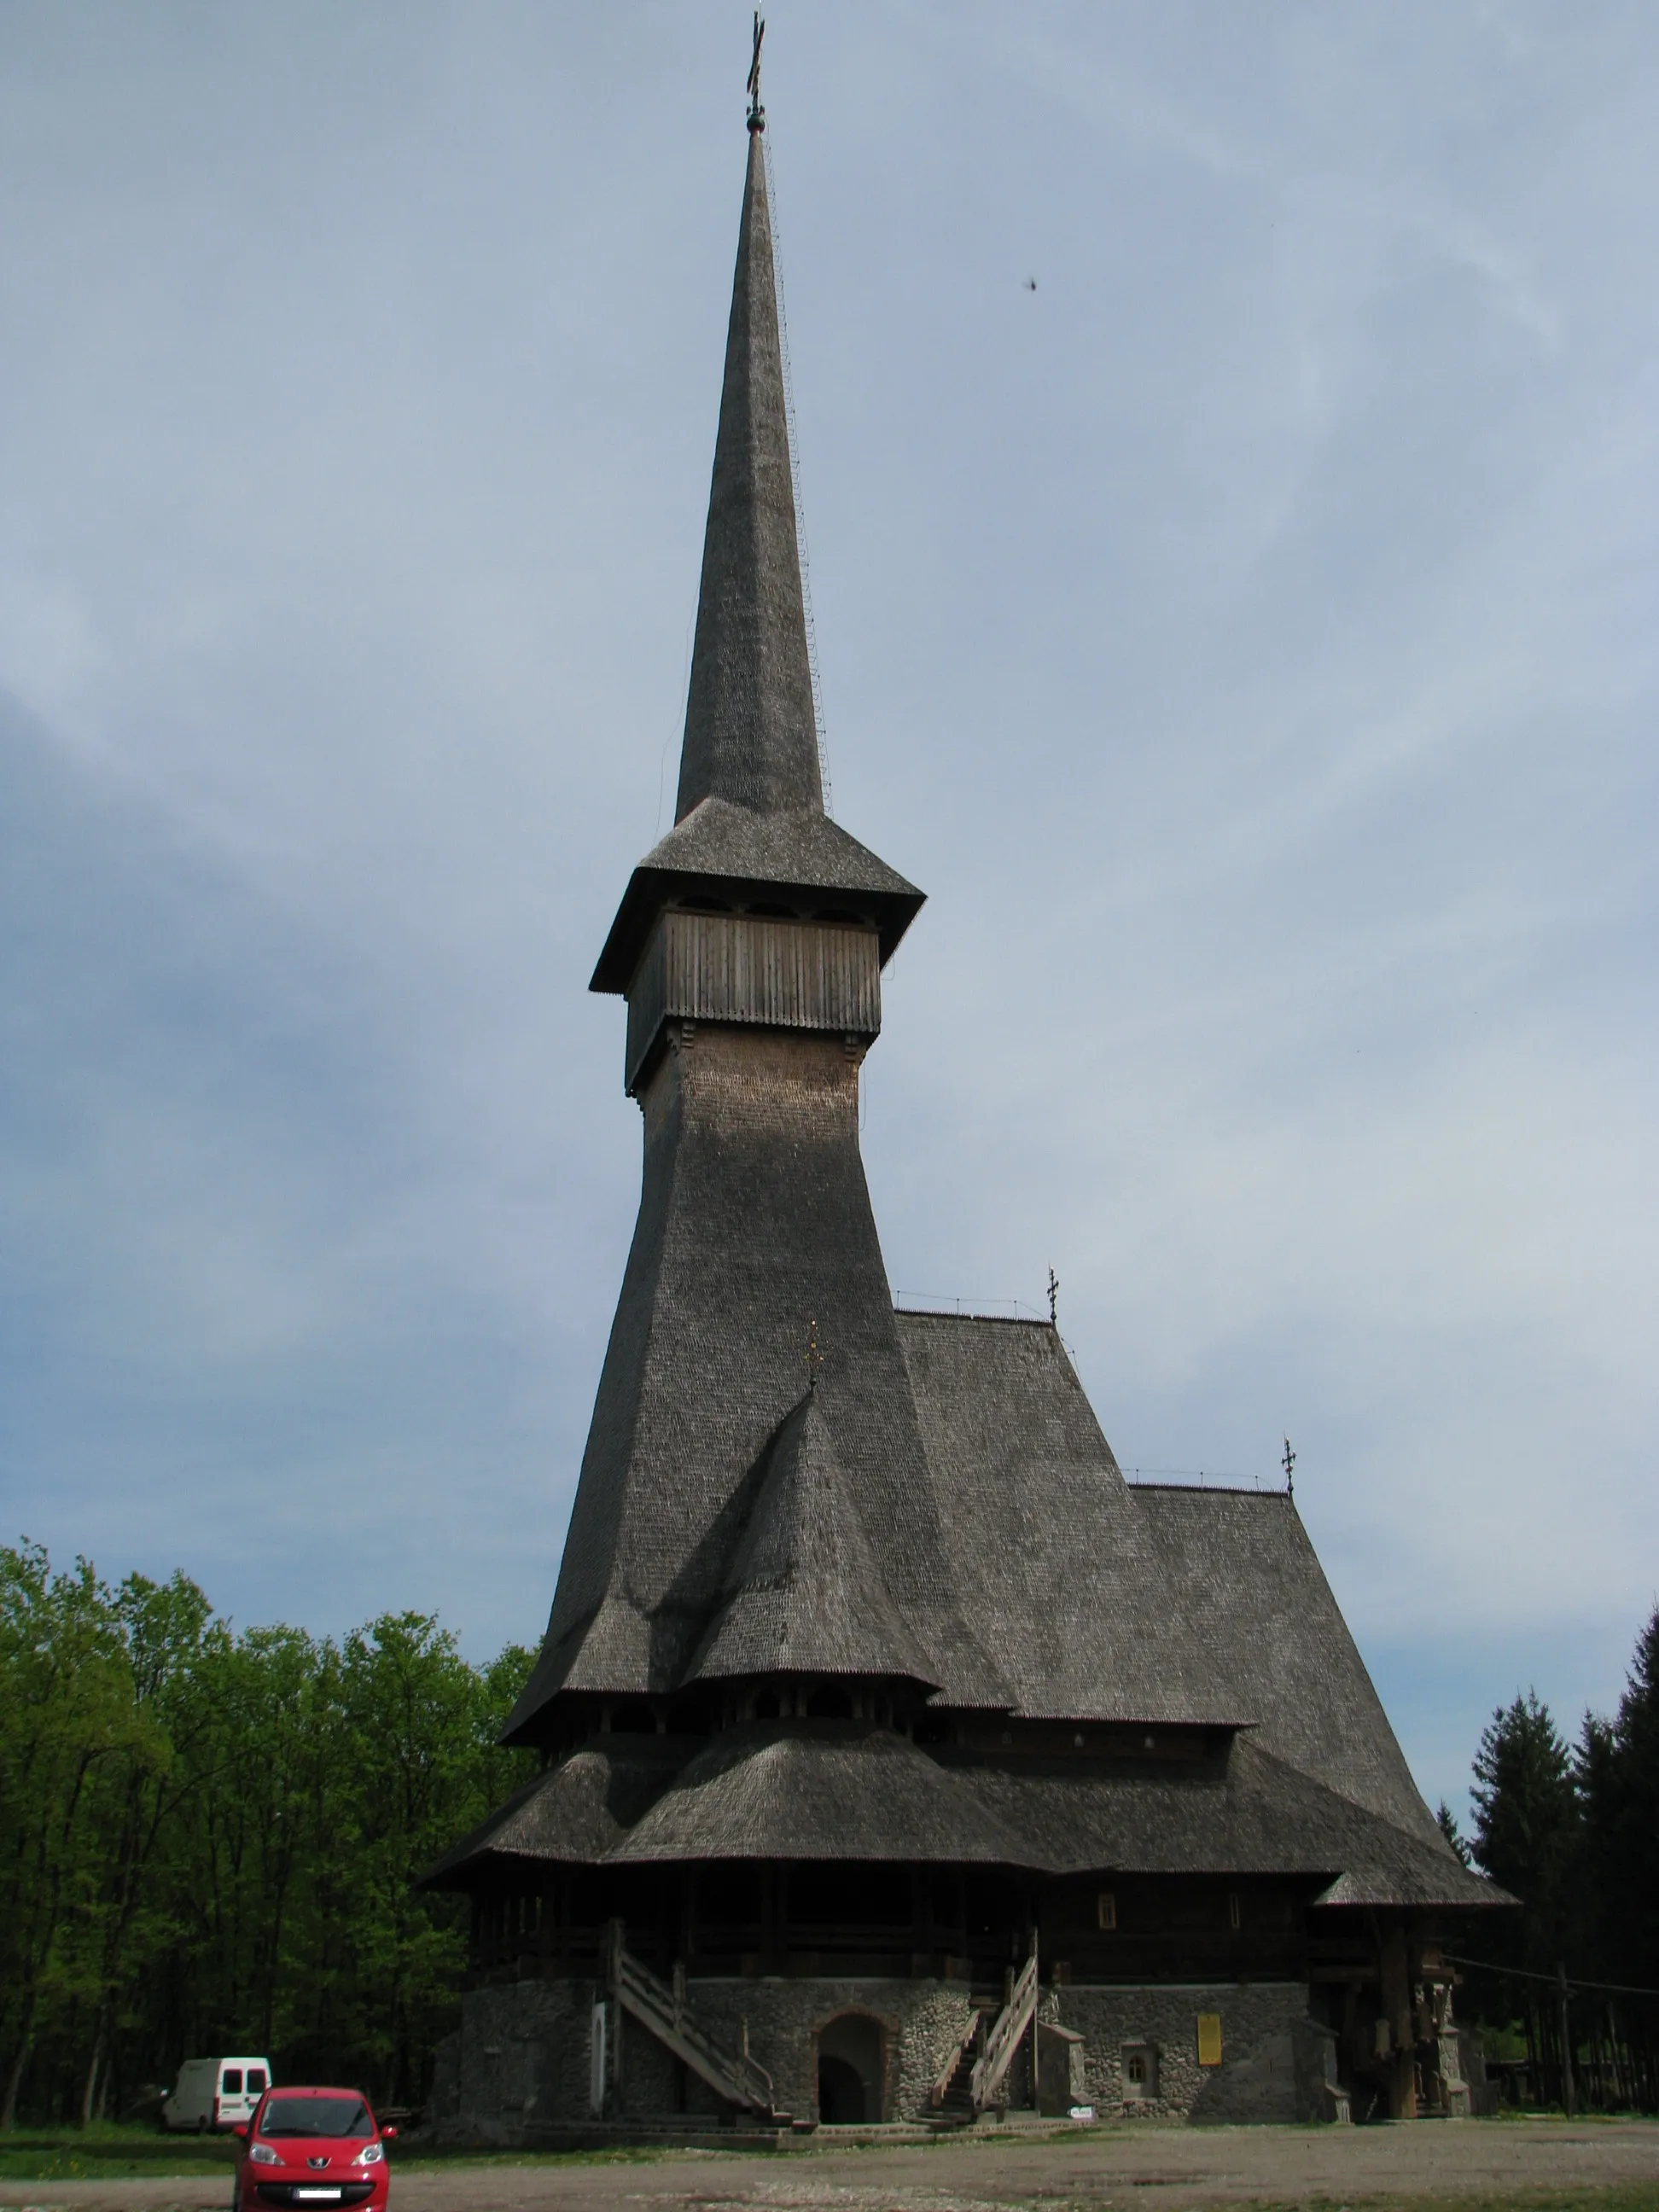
pixel 1100 1600
pixel 804 1594
pixel 1248 1597
pixel 1054 1564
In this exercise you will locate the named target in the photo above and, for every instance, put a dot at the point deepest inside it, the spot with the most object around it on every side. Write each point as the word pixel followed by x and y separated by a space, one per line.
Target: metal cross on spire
pixel 756 112
pixel 1053 1299
pixel 1289 1465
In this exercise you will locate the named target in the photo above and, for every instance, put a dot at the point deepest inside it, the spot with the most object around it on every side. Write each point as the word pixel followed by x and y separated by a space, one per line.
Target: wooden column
pixel 1393 1981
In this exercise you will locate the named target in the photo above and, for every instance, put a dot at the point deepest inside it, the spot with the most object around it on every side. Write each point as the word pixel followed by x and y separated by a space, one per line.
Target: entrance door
pixel 850 2071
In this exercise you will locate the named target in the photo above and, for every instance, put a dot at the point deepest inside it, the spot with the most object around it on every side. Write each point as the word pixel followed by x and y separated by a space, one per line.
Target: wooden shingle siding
pixel 754 968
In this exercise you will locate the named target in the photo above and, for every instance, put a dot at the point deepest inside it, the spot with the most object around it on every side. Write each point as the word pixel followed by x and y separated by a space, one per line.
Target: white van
pixel 216 2092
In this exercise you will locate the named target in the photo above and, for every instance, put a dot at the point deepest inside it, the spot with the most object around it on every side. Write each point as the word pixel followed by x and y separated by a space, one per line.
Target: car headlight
pixel 370 2154
pixel 262 2154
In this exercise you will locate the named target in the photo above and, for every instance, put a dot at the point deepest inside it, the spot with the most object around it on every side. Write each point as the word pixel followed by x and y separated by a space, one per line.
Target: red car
pixel 312 2147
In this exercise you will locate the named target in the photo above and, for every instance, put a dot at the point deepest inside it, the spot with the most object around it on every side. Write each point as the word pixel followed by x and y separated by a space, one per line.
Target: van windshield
pixel 315 2116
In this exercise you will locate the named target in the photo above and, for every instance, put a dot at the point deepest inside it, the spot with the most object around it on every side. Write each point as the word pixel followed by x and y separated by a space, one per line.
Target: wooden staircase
pixel 662 2010
pixel 952 2102
pixel 1018 2011
pixel 974 2074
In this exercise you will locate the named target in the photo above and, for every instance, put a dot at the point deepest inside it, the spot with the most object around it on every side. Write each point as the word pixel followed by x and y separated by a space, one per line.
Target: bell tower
pixel 749 946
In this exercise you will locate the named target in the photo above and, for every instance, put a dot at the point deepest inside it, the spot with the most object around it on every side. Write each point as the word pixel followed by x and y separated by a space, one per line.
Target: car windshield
pixel 315 2116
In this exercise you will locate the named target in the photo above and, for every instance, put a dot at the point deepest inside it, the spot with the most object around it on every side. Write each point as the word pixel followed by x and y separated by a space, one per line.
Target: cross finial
pixel 814 1357
pixel 756 112
pixel 1288 1462
pixel 1053 1299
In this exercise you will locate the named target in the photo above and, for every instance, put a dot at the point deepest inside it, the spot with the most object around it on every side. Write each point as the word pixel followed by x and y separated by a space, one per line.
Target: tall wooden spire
pixel 710 1517
pixel 750 832
pixel 751 733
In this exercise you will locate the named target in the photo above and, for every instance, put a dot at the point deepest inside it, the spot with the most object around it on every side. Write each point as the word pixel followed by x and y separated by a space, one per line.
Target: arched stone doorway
pixel 851 2070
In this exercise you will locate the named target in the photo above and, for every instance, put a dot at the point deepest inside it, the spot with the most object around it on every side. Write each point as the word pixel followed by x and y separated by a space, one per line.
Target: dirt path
pixel 1143 2167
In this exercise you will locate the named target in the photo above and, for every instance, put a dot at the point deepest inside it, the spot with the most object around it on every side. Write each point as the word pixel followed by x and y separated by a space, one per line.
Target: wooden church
pixel 900 1762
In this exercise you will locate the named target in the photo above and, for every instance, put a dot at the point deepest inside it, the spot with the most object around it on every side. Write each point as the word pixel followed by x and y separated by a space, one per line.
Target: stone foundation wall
pixel 519 2061
pixel 1275 2061
pixel 519 2064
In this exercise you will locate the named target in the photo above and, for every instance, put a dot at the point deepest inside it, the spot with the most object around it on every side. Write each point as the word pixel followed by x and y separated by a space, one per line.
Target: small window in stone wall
pixel 1209 2039
pixel 1138 2066
pixel 1106 1909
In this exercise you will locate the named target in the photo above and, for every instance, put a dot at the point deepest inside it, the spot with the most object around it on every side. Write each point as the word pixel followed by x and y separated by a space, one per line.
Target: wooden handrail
pixel 741 2079
pixel 937 2095
pixel 1003 2041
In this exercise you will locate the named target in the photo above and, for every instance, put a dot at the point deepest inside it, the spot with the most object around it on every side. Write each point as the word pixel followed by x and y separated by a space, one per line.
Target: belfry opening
pixel 902 1763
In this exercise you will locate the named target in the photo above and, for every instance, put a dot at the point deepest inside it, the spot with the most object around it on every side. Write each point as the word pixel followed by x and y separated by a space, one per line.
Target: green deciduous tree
pixel 208 1840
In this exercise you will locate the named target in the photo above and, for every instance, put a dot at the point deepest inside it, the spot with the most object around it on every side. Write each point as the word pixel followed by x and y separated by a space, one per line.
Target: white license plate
pixel 316 2196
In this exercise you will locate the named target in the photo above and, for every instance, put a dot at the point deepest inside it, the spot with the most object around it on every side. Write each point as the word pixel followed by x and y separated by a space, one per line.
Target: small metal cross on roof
pixel 1053 1299
pixel 1289 1465
pixel 756 112
pixel 814 1357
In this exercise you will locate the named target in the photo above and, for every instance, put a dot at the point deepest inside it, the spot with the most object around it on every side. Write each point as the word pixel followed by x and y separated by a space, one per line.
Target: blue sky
pixel 1246 637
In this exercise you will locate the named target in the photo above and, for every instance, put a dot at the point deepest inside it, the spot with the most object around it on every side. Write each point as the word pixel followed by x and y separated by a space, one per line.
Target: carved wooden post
pixel 1394 1984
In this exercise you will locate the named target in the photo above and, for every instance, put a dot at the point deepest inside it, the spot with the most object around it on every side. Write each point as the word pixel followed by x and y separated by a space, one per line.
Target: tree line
pixel 208 1837
pixel 1572 1828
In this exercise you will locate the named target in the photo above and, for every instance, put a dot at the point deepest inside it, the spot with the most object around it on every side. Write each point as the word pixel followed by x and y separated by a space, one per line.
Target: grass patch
pixel 131 2154
pixel 108 2152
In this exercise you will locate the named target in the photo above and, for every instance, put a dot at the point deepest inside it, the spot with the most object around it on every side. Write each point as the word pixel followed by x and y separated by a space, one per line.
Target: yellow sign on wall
pixel 1209 2039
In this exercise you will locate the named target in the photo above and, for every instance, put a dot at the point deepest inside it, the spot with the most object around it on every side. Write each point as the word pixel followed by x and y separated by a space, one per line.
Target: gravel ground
pixel 1143 2167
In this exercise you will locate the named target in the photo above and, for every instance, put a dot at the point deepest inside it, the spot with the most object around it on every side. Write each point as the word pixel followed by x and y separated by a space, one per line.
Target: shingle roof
pixel 821 1794
pixel 1248 1596
pixel 806 1593
pixel 786 1791
pixel 1243 1812
pixel 1056 1567
pixel 753 1221
pixel 1101 1601
pixel 575 1813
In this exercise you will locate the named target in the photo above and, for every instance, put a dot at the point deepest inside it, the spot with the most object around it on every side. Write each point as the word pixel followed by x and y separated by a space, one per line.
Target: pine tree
pixel 1526 1821
pixel 1629 1817
pixel 1448 1828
